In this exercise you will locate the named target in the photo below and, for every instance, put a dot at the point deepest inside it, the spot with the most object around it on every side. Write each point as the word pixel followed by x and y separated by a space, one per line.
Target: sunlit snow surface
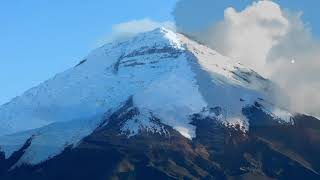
pixel 165 73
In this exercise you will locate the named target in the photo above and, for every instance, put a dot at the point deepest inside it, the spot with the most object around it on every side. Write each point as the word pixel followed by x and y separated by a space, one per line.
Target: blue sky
pixel 39 38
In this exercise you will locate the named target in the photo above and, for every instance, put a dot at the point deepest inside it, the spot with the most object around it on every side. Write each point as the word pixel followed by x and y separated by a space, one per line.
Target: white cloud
pixel 126 30
pixel 301 79
pixel 266 38
pixel 248 35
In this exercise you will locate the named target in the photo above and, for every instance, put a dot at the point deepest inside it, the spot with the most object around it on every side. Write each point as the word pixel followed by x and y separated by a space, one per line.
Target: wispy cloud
pixel 125 30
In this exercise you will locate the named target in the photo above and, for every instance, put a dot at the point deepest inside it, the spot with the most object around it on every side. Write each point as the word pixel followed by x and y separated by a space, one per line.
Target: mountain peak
pixel 169 77
pixel 159 37
pixel 161 31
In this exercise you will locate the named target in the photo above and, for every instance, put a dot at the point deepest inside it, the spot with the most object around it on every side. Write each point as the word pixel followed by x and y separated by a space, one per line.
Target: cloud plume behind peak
pixel 273 41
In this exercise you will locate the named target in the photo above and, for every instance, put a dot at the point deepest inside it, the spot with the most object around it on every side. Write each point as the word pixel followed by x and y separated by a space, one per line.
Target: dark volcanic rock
pixel 267 151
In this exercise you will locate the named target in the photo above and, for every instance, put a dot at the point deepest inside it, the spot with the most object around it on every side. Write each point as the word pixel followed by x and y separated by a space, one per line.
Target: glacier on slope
pixel 164 72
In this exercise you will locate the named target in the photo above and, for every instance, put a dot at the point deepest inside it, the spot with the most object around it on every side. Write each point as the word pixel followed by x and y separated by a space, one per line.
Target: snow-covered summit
pixel 165 73
pixel 79 91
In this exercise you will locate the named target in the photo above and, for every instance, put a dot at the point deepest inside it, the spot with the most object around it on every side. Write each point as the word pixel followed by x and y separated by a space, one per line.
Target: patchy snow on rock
pixel 283 116
pixel 144 121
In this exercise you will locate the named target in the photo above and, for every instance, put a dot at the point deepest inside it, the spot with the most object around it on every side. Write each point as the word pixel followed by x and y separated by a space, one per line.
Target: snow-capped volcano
pixel 167 76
